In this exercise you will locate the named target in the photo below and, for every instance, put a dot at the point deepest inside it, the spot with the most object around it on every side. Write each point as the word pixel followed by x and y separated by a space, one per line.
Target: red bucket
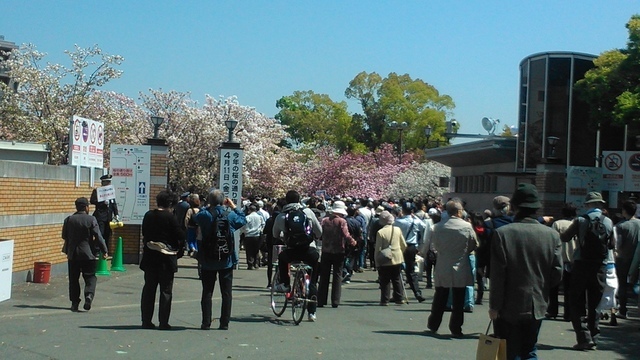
pixel 41 272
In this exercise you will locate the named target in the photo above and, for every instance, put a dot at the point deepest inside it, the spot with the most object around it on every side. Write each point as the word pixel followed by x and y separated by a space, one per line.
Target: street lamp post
pixel 401 127
pixel 156 121
pixel 231 125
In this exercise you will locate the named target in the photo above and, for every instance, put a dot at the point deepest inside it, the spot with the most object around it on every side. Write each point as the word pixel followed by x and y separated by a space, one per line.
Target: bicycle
pixel 298 296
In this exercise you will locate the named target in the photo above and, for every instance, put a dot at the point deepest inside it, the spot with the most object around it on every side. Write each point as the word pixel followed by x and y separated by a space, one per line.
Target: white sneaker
pixel 312 317
pixel 282 288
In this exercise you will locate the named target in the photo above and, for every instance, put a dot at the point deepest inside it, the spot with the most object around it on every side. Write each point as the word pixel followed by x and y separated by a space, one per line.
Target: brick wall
pixel 35 199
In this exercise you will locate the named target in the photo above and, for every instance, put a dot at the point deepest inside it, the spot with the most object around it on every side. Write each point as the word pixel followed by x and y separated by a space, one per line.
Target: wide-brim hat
pixel 594 197
pixel 339 207
pixel 526 196
pixel 106 177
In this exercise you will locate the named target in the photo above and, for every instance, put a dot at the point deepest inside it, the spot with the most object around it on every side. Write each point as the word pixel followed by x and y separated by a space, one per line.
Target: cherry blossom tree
pixel 49 94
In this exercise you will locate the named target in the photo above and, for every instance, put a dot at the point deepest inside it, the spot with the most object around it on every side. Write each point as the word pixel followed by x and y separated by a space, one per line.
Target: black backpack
pixel 594 245
pixel 219 244
pixel 297 229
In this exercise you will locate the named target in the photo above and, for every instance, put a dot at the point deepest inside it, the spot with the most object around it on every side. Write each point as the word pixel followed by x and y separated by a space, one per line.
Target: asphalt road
pixel 36 324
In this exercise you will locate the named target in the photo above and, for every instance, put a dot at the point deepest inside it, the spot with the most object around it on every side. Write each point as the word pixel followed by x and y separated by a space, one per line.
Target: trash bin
pixel 41 272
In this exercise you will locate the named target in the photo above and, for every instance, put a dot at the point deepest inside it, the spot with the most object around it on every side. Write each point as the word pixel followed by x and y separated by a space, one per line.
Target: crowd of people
pixel 525 257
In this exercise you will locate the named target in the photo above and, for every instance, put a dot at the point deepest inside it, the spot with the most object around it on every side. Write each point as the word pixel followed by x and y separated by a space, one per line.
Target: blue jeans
pixel 469 299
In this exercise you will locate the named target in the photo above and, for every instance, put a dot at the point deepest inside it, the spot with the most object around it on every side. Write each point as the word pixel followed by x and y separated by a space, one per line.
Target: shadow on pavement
pixel 130 327
pixel 254 318
pixel 46 307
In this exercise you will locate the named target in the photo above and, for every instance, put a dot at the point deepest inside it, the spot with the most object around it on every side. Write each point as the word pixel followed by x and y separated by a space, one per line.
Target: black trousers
pixel 622 272
pixel 327 263
pixel 587 283
pixel 521 336
pixel 554 304
pixel 371 253
pixel 438 306
pixel 409 269
pixel 390 275
pixel 225 276
pixel 88 270
pixel 153 279
pixel 252 246
pixel 105 231
pixel 310 257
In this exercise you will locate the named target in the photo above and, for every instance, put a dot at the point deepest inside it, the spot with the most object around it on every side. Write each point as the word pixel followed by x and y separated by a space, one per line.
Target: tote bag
pixel 491 348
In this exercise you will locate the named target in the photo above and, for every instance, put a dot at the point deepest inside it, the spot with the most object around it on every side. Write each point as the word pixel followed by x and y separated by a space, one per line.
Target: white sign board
pixel 231 174
pixel 632 167
pixel 580 181
pixel 6 268
pixel 131 170
pixel 106 193
pixel 613 170
pixel 86 143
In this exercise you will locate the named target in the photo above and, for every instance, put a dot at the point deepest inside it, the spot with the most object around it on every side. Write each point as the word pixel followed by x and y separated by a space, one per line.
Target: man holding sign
pixel 106 208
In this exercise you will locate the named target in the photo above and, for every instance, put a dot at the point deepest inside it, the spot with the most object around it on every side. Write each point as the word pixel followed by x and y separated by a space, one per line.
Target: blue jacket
pixel 204 218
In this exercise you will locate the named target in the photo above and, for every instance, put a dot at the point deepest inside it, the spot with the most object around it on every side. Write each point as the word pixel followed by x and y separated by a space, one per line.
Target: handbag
pixel 385 256
pixel 490 347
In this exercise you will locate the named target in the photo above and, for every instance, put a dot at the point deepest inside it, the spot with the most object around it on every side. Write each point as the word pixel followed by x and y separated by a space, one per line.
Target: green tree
pixel 314 120
pixel 612 87
pixel 402 99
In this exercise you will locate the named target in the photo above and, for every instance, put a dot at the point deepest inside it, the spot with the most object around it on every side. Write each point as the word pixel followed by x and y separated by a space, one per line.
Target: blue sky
pixel 263 50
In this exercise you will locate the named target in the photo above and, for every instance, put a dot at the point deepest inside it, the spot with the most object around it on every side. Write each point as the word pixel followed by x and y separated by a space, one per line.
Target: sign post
pixel 131 170
pixel 86 143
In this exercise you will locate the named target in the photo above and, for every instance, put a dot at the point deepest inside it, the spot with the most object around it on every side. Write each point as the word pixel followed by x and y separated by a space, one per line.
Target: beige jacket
pixel 454 240
pixel 398 245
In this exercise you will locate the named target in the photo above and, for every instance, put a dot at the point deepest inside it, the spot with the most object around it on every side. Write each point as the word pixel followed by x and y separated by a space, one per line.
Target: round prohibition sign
pixel 613 162
pixel 92 134
pixel 100 134
pixel 76 129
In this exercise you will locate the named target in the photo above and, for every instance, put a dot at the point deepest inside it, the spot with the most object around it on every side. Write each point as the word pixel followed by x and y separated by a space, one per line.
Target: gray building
pixel 553 133
pixel 5 48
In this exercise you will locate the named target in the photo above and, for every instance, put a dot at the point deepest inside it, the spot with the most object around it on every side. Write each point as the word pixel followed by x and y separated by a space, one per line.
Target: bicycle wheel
pixel 299 297
pixel 278 299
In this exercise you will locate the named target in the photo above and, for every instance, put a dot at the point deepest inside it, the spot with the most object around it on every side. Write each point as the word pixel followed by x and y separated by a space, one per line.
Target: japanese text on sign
pixel 231 173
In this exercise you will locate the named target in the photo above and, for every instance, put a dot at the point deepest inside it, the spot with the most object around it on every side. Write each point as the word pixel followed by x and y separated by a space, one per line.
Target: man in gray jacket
pixel 526 262
pixel 80 231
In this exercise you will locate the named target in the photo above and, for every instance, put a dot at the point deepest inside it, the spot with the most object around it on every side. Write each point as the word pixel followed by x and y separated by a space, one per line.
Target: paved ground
pixel 36 324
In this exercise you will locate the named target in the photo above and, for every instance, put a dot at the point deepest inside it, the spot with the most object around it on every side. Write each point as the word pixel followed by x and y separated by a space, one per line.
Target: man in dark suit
pixel 526 261
pixel 105 211
pixel 81 235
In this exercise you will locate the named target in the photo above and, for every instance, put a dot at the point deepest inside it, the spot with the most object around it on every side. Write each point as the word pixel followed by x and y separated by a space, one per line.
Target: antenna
pixel 489 124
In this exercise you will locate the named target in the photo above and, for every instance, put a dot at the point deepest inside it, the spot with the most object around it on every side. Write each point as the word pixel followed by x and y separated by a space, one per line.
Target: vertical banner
pixel 632 166
pixel 86 143
pixel 613 170
pixel 580 181
pixel 131 170
pixel 231 173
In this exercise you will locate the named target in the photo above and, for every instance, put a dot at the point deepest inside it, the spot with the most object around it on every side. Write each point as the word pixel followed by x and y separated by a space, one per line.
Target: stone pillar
pixel 551 184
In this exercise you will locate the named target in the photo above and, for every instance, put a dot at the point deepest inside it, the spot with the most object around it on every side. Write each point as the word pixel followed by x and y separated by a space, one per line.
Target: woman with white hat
pixel 335 236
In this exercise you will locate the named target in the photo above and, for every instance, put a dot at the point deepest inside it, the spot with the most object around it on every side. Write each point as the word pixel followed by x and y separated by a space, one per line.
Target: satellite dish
pixel 489 125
